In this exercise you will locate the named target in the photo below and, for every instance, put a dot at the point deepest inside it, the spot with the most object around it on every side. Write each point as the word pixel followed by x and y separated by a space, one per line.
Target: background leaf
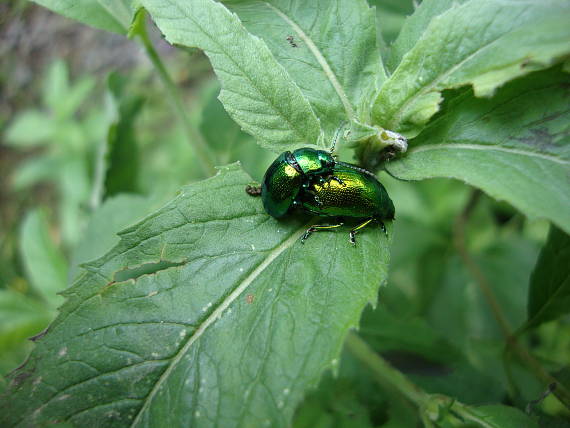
pixel 173 347
pixel 114 215
pixel 256 91
pixel 484 43
pixel 335 405
pixel 332 54
pixel 111 15
pixel 549 292
pixel 123 156
pixel 30 128
pixel 426 357
pixel 390 16
pixel 227 140
pixel 21 317
pixel 515 146
pixel 414 27
pixel 45 265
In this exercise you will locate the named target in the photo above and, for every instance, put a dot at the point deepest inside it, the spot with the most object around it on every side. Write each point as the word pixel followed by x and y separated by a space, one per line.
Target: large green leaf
pixel 328 48
pixel 515 146
pixel 110 15
pixel 256 90
pixel 549 292
pixel 236 321
pixel 45 266
pixel 484 43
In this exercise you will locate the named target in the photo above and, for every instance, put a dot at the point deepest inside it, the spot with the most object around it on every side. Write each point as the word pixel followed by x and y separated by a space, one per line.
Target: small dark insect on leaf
pixel 253 190
pixel 249 299
pixel 291 41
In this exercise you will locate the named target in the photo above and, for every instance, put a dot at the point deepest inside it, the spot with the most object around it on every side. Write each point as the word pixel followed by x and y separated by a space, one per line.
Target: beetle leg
pixel 318 227
pixel 383 226
pixel 315 198
pixel 354 231
pixel 335 178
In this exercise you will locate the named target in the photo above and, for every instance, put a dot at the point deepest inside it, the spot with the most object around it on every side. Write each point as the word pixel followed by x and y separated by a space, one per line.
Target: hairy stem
pixel 513 344
pixel 192 134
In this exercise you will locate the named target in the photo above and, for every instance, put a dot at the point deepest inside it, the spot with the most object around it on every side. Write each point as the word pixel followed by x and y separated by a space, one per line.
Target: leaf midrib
pixel 320 59
pixel 216 314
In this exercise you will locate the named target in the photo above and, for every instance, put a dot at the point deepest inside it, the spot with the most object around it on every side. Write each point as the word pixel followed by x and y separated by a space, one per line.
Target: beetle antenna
pixel 337 134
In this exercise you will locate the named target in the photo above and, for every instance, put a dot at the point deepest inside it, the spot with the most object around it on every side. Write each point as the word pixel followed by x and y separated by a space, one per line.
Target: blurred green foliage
pixel 88 140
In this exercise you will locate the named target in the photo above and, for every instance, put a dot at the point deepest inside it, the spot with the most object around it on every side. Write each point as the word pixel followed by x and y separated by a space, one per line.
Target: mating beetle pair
pixel 315 182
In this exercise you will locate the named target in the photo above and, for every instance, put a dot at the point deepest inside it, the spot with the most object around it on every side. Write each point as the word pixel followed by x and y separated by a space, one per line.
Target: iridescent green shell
pixel 281 185
pixel 354 192
pixel 313 161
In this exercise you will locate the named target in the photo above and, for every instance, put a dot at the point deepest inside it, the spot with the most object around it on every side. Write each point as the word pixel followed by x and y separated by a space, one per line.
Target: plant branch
pixel 192 134
pixel 431 407
pixel 484 285
pixel 383 372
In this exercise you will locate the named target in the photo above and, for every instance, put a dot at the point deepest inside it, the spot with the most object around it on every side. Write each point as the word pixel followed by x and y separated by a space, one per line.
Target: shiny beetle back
pixel 313 161
pixel 356 193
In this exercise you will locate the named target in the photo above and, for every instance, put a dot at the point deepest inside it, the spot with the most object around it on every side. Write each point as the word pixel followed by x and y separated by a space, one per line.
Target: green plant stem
pixel 431 407
pixel 193 136
pixel 513 344
pixel 383 372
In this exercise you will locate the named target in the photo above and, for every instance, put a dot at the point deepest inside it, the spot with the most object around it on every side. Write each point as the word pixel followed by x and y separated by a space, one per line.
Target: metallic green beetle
pixel 289 174
pixel 354 193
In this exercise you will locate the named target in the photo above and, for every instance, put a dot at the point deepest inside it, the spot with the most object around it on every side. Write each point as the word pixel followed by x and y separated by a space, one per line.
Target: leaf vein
pixel 320 59
pixel 217 313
